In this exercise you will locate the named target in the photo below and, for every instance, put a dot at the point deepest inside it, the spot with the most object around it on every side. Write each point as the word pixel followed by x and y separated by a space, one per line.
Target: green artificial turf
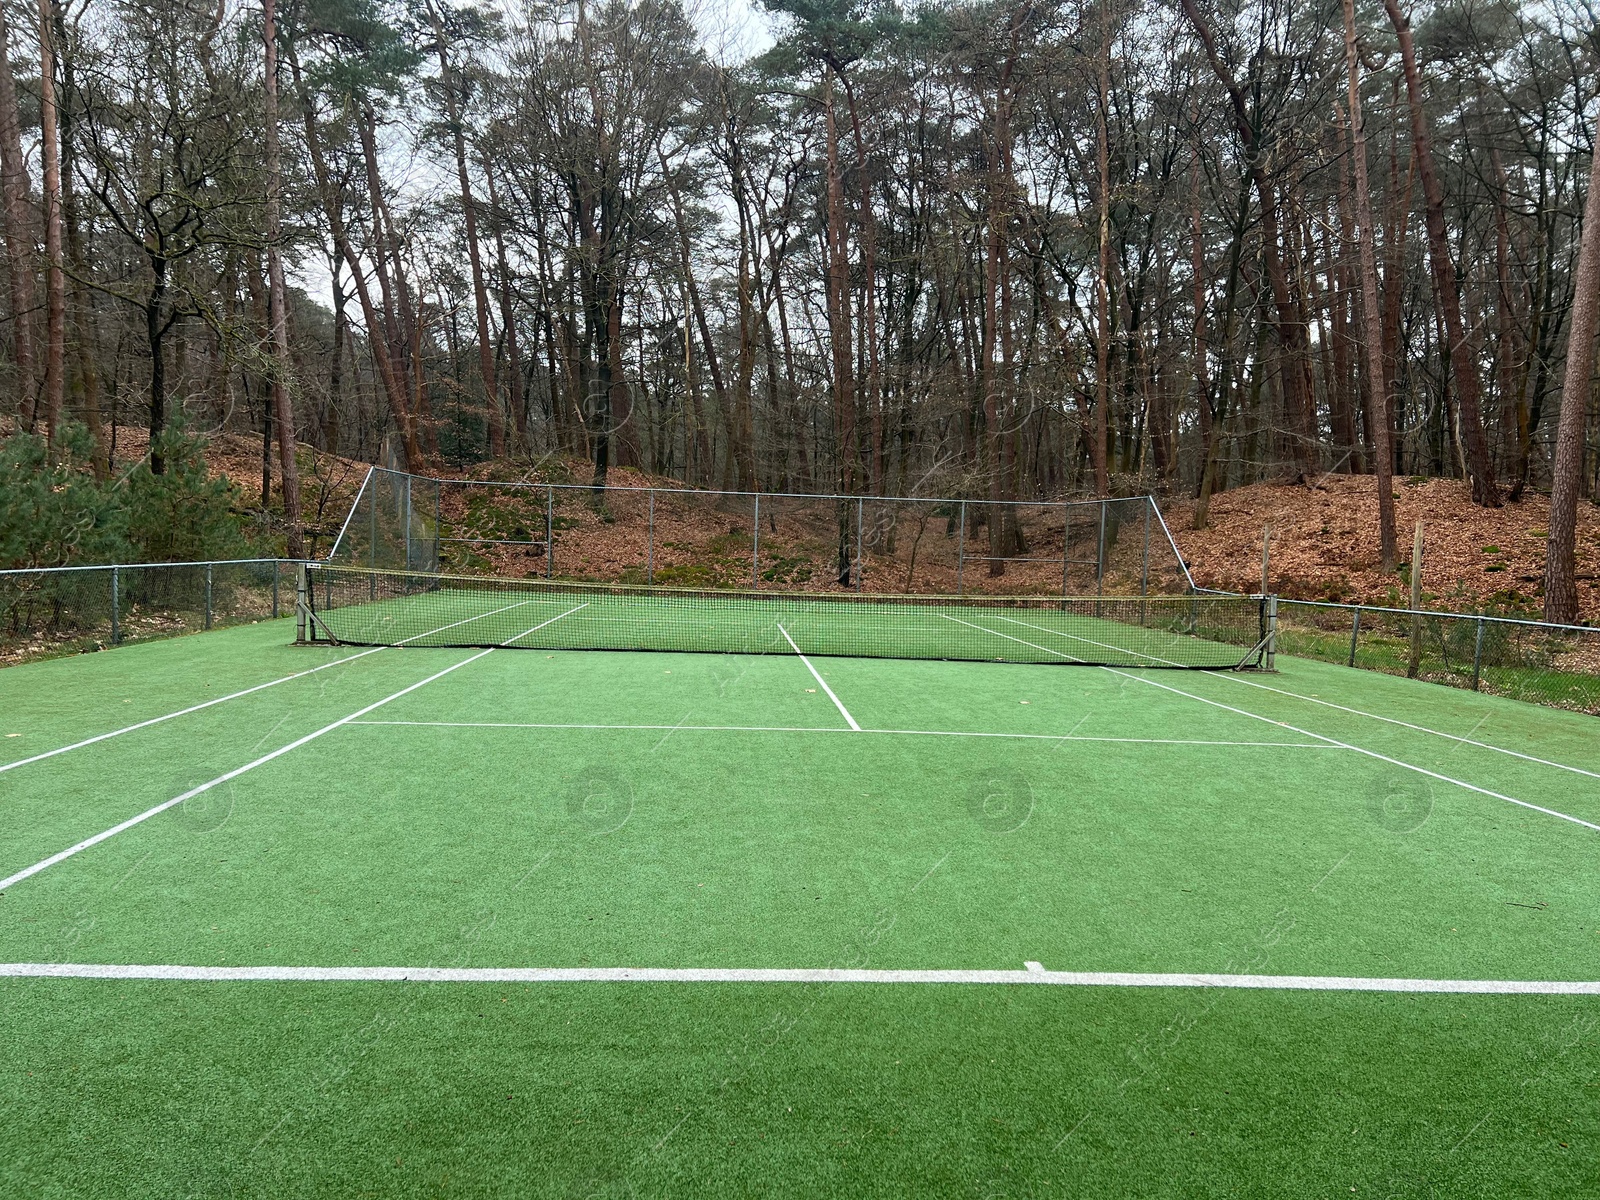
pixel 498 816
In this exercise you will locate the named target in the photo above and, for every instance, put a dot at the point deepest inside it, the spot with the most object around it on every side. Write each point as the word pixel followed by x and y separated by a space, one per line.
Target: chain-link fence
pixel 781 542
pixel 1556 665
pixel 66 609
pixel 393 525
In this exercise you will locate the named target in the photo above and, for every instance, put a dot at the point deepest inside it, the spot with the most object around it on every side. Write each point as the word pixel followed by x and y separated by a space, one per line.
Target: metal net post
pixel 961 548
pixel 116 609
pixel 549 532
pixel 860 565
pixel 755 547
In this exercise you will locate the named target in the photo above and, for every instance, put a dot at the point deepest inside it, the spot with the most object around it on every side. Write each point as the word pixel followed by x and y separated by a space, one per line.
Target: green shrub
pixel 182 515
pixel 53 512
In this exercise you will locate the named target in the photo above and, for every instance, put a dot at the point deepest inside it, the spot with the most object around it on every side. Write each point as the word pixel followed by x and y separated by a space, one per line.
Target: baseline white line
pixel 1234 677
pixel 1033 974
pixel 959 733
pixel 845 712
pixel 194 708
pixel 1471 787
pixel 224 778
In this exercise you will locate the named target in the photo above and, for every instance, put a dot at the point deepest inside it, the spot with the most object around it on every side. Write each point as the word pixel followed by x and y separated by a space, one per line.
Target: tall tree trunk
pixel 277 307
pixel 1560 584
pixel 1463 368
pixel 18 234
pixel 1102 280
pixel 480 293
pixel 50 405
pixel 516 393
pixel 1363 234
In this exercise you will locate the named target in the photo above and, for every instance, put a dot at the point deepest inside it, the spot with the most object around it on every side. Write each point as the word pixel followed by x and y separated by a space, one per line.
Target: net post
pixel 208 596
pixel 755 548
pixel 276 563
pixel 1270 607
pixel 302 602
pixel 1355 632
pixel 1477 656
pixel 650 553
pixel 860 563
pixel 961 547
pixel 549 532
pixel 116 610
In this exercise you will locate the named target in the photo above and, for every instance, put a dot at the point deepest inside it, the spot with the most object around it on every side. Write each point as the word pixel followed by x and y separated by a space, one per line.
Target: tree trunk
pixel 1362 234
pixel 480 293
pixel 1463 369
pixel 18 234
pixel 55 278
pixel 1560 585
pixel 277 308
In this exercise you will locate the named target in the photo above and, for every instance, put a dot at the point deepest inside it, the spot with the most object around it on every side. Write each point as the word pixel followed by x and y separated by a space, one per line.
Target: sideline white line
pixel 183 712
pixel 1234 677
pixel 1543 762
pixel 820 680
pixel 1471 787
pixel 542 624
pixel 956 733
pixel 224 778
pixel 1033 973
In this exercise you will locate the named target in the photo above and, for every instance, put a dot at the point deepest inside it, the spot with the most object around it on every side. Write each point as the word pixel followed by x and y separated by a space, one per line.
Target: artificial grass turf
pixel 682 847
pixel 721 1090
pixel 405 844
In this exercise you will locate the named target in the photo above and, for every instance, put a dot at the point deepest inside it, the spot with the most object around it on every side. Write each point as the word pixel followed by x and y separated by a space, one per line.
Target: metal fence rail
pixel 1554 665
pixel 58 609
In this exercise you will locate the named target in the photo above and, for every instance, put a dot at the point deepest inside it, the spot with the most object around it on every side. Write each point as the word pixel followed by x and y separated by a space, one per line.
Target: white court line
pixel 1471 787
pixel 250 766
pixel 183 712
pixel 1033 974
pixel 1236 678
pixel 823 682
pixel 542 624
pixel 1041 737
pixel 223 778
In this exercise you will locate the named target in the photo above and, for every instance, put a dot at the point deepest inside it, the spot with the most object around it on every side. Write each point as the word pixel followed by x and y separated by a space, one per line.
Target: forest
pixel 993 250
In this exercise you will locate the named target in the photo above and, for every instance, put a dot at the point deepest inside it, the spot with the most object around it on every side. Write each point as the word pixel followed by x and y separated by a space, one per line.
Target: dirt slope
pixel 1325 545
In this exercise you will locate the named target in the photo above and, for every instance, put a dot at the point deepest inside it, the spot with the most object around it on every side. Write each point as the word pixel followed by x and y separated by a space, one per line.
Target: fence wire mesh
pixel 703 539
pixel 72 609
pixel 1555 665
pixel 393 525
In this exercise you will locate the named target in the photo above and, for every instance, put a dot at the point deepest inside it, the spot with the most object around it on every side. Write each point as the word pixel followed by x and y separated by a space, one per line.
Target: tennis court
pixel 485 918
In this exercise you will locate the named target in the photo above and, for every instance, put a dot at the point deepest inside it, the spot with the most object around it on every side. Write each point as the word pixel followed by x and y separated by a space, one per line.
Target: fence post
pixel 755 548
pixel 116 613
pixel 861 565
pixel 1066 549
pixel 208 596
pixel 1272 633
pixel 1414 663
pixel 408 522
pixel 438 526
pixel 650 554
pixel 275 565
pixel 1477 656
pixel 961 546
pixel 302 602
pixel 372 529
pixel 1355 632
pixel 1100 555
pixel 549 532
pixel 1144 571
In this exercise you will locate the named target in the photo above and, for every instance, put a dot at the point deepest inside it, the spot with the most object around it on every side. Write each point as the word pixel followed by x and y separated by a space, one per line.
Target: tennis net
pixel 353 606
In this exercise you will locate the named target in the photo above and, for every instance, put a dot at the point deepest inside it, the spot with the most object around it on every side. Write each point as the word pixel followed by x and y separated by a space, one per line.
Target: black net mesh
pixel 360 607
